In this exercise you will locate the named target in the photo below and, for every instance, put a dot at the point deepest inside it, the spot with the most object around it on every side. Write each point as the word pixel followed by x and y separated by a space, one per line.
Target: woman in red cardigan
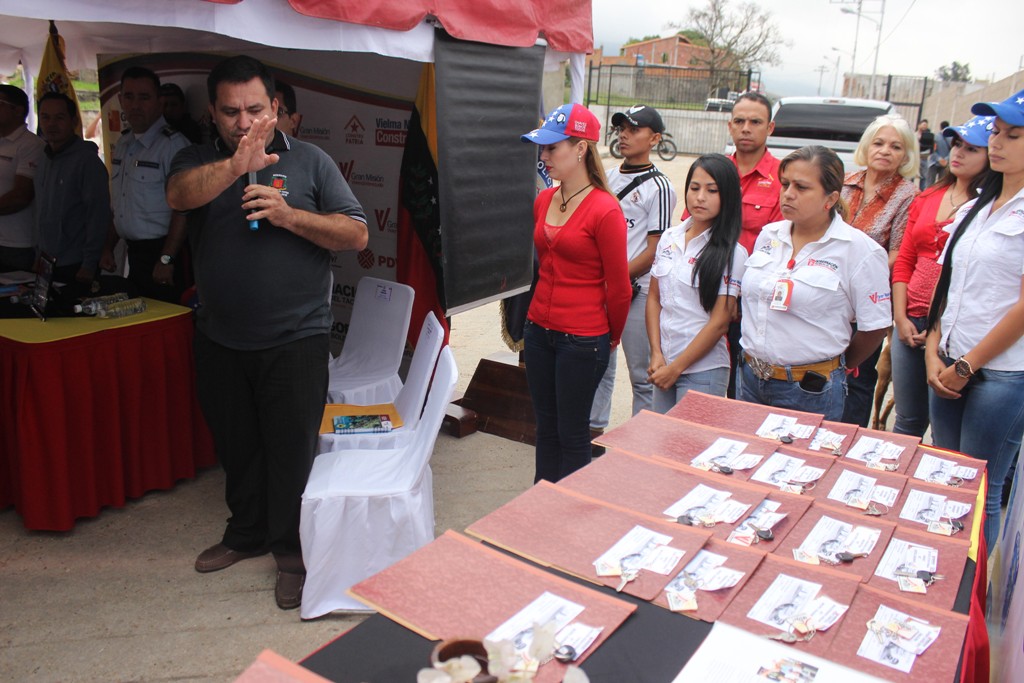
pixel 916 269
pixel 582 295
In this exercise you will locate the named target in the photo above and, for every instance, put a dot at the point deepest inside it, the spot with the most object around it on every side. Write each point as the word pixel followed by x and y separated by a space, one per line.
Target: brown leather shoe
pixel 219 556
pixel 288 591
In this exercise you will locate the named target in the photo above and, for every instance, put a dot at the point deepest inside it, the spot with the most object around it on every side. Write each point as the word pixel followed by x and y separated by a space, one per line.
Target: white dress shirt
pixel 841 278
pixel 988 263
pixel 682 316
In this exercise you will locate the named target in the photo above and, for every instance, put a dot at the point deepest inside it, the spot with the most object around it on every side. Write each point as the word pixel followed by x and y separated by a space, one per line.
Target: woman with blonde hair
pixel 879 199
pixel 582 295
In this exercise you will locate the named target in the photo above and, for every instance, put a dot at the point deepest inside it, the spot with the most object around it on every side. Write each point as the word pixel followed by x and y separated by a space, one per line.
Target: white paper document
pixel 896 639
pixel 826 440
pixel 764 516
pixel 706 571
pixel 784 600
pixel 940 470
pixel 871 450
pixel 706 505
pixel 925 507
pixel 782 470
pixel 777 426
pixel 907 558
pixel 638 549
pixel 732 655
pixel 546 608
pixel 726 452
pixel 831 536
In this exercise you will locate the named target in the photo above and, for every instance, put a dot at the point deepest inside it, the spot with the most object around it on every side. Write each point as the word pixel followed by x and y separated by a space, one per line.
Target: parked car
pixel 721 101
pixel 835 122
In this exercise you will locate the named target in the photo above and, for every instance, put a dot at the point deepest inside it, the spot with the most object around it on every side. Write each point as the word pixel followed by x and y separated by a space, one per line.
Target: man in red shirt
pixel 749 126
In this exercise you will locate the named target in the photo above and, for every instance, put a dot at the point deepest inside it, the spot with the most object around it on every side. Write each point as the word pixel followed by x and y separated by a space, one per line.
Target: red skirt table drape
pixel 92 420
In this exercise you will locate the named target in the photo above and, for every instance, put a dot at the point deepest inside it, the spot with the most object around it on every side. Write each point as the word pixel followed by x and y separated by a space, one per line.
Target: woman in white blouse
pixel 695 280
pixel 974 352
pixel 808 277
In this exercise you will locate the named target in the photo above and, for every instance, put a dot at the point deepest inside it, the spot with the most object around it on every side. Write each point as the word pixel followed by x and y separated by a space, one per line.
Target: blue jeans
pixel 986 422
pixel 714 381
pixel 782 394
pixel 562 371
pixel 909 385
pixel 860 391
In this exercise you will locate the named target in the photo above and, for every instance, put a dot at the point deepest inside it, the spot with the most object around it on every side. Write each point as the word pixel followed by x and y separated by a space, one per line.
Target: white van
pixel 835 122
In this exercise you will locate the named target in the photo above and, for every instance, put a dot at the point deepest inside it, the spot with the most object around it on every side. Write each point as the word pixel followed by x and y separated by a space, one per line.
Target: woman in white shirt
pixel 807 279
pixel 974 352
pixel 695 280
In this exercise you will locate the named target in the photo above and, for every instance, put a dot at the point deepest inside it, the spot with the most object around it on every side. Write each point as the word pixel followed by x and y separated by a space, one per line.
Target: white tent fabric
pixel 92 27
pixel 408 403
pixel 364 510
pixel 366 371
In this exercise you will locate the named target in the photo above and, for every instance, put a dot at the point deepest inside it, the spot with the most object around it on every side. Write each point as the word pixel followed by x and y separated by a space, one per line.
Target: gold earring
pixel 579 158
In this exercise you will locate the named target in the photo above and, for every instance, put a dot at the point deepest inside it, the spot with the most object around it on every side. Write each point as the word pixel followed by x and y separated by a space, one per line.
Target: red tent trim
pixel 567 26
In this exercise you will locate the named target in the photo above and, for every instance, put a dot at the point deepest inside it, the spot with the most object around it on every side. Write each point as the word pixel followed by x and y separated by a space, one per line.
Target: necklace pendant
pixel 561 207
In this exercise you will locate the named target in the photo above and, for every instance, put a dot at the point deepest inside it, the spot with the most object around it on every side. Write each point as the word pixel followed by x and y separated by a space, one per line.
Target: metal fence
pixel 679 93
pixel 906 92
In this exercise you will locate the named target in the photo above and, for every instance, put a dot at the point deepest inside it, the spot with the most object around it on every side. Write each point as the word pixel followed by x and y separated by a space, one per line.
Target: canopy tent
pixel 398 28
pixel 488 91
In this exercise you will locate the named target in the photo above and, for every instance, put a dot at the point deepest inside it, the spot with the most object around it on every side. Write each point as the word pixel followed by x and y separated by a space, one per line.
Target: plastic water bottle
pixel 120 309
pixel 94 305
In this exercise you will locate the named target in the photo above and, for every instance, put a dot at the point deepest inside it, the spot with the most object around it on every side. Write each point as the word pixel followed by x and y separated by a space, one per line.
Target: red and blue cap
pixel 1010 110
pixel 975 132
pixel 568 121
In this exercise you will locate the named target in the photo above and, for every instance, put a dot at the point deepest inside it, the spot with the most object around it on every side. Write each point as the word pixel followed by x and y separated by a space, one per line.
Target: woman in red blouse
pixel 916 271
pixel 582 296
pixel 879 198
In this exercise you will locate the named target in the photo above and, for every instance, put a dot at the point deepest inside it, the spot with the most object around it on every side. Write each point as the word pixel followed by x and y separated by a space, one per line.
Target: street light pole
pixel 835 78
pixel 878 46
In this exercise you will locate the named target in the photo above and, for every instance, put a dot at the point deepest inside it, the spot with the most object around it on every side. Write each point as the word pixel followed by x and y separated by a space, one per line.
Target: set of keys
pixel 690 520
pixel 801 632
pixel 629 567
pixel 921 574
pixel 761 534
pixel 844 557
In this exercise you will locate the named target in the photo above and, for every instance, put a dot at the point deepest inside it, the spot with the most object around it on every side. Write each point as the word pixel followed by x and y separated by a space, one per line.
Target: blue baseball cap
pixel 568 121
pixel 1010 110
pixel 975 132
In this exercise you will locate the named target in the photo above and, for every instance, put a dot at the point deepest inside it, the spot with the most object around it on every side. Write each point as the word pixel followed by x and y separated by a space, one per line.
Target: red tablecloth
pixel 91 420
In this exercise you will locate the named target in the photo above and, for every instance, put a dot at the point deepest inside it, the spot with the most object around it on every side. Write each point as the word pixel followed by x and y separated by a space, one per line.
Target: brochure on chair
pixel 346 418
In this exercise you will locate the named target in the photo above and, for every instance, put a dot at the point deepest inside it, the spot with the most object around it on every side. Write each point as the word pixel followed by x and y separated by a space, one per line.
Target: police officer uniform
pixel 141 215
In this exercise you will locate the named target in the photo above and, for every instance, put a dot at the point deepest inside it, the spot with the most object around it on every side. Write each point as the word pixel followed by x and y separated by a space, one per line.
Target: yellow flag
pixel 53 73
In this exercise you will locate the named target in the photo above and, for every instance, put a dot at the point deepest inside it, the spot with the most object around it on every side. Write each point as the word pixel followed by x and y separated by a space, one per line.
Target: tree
pixel 954 72
pixel 640 40
pixel 740 39
pixel 695 37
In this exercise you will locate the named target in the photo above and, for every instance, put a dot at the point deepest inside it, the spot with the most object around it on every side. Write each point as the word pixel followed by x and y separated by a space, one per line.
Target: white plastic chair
pixel 364 510
pixel 408 403
pixel 366 370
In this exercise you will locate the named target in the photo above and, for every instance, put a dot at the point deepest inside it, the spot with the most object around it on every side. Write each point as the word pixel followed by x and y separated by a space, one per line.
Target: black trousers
pixel 264 410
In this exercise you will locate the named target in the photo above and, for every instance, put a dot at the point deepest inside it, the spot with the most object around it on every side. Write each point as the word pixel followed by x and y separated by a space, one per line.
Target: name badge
pixel 782 295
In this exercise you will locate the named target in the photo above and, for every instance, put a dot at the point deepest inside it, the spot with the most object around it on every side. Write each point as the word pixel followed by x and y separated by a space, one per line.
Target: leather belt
pixel 765 370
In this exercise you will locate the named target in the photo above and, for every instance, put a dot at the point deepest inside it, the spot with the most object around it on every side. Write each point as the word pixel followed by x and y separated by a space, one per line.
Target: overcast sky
pixel 918 36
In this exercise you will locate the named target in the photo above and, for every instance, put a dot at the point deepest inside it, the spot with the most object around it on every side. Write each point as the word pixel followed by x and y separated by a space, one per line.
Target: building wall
pixel 953 102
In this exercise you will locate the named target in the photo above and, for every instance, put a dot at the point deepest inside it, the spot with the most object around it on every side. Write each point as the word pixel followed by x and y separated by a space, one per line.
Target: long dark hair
pixel 715 260
pixel 990 190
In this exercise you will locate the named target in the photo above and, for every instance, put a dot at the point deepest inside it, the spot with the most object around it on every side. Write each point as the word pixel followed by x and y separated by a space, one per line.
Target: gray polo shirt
pixel 267 287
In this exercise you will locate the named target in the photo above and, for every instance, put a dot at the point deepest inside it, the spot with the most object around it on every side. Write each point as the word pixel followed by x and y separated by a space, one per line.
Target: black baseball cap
pixel 641 116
